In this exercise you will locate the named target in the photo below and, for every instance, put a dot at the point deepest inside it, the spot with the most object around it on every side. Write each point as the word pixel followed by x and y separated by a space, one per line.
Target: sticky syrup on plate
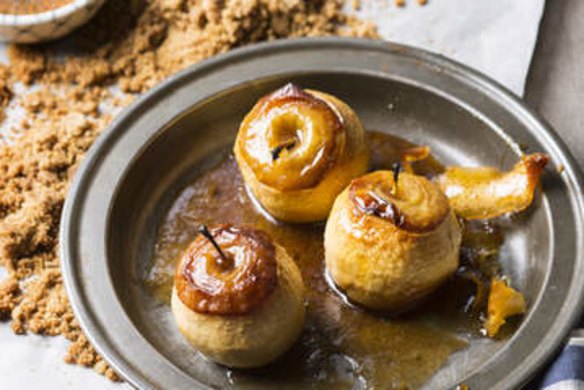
pixel 342 346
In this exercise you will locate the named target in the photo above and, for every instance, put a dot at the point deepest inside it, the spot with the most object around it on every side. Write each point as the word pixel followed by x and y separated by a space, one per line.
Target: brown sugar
pixel 5 91
pixel 27 7
pixel 133 45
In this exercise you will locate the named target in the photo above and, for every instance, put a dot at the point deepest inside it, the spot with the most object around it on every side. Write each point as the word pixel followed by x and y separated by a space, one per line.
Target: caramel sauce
pixel 342 347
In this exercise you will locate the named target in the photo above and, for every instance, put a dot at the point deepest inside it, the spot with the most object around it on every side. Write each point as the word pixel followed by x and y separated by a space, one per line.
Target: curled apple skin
pixel 486 192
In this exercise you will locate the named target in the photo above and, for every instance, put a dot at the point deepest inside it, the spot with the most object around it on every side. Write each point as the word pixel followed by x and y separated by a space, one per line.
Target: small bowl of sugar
pixel 32 21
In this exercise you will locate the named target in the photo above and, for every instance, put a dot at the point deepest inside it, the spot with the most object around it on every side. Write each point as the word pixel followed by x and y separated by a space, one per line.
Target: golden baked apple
pixel 238 297
pixel 390 240
pixel 297 149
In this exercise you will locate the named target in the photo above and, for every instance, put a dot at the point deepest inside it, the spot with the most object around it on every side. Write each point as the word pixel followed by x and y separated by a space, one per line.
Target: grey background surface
pixel 555 85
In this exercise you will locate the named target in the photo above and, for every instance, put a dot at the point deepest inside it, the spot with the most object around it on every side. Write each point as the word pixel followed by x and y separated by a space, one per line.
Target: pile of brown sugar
pixel 133 45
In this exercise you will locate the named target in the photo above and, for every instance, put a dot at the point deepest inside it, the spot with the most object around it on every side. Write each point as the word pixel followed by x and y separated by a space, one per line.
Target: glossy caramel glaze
pixel 291 138
pixel 297 150
pixel 233 282
pixel 341 346
pixel 416 205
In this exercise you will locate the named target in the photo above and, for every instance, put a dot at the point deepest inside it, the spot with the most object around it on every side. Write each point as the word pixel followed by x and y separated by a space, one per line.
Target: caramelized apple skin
pixel 241 314
pixel 387 261
pixel 486 192
pixel 297 149
pixel 206 283
pixel 291 138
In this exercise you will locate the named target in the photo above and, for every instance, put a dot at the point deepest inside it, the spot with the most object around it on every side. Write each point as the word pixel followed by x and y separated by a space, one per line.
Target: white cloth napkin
pixel 496 37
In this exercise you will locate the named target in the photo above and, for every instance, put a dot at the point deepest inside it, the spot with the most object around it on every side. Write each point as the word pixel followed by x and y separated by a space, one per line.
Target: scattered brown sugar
pixel 27 7
pixel 8 296
pixel 5 86
pixel 133 45
pixel 5 91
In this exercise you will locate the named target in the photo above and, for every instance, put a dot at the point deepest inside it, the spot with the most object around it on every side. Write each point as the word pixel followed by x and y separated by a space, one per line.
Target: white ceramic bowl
pixel 32 28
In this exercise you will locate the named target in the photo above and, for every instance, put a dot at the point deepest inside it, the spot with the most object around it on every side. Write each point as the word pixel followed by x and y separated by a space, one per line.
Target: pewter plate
pixel 158 145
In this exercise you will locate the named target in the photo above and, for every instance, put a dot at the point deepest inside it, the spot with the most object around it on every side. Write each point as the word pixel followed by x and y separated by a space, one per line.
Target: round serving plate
pixel 154 149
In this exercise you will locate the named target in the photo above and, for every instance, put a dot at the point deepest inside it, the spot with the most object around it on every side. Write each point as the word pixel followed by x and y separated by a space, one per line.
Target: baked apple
pixel 297 149
pixel 238 298
pixel 390 240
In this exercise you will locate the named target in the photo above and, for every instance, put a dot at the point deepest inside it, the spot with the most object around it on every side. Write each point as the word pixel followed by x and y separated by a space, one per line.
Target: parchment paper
pixel 496 37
